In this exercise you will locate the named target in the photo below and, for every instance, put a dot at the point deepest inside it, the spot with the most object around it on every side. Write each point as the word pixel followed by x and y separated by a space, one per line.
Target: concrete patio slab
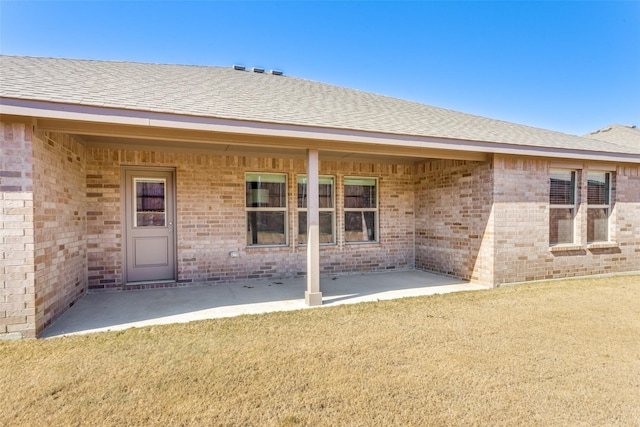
pixel 111 311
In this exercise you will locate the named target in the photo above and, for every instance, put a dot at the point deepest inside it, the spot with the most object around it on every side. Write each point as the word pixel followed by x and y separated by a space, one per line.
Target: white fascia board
pixel 51 110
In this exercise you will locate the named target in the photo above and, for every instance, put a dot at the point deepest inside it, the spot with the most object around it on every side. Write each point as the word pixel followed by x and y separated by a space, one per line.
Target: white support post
pixel 313 296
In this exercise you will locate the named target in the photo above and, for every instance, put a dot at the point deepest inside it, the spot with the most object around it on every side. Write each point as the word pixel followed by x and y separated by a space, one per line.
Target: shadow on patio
pixel 110 311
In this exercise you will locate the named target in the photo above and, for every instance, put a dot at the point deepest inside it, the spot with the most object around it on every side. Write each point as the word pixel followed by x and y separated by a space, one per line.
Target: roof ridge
pixel 113 61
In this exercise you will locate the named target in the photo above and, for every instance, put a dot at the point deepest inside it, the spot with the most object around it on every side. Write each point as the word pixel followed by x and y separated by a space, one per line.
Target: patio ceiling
pixel 236 149
pixel 266 141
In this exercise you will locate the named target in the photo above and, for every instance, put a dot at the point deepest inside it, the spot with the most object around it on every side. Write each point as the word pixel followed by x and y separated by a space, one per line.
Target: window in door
pixel 151 206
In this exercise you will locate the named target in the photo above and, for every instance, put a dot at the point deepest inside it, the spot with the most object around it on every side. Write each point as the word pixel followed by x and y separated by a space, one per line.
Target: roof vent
pixel 239 67
pixel 276 72
pixel 258 70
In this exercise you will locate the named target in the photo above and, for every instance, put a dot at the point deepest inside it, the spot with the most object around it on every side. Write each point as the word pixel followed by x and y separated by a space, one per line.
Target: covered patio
pixel 112 311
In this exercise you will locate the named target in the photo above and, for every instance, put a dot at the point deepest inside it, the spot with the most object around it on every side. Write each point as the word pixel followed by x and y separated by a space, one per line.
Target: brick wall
pixel 211 217
pixel 60 224
pixel 17 271
pixel 521 218
pixel 522 224
pixel 454 233
pixel 489 222
pixel 626 214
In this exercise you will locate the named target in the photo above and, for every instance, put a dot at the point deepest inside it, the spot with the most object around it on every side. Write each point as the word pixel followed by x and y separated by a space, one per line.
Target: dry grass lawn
pixel 552 354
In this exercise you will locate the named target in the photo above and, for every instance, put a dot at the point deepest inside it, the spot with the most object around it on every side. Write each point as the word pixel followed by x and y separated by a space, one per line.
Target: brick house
pixel 118 175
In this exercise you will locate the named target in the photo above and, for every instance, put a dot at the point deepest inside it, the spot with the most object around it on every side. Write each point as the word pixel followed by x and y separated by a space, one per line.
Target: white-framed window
pixel 266 209
pixel 360 209
pixel 562 206
pixel 598 206
pixel 326 194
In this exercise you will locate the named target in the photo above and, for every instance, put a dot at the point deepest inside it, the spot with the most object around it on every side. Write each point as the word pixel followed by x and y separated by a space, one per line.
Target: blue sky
pixel 567 66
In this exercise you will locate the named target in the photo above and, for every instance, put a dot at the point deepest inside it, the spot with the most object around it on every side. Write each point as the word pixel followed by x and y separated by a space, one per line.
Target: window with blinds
pixel 266 209
pixel 360 210
pixel 562 206
pixel 598 206
pixel 326 204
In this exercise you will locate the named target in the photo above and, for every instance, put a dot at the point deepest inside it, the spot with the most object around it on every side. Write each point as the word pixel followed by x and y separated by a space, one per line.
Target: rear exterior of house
pixel 128 195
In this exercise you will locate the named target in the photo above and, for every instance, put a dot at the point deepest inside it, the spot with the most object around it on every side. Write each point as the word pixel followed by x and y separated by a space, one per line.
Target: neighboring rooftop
pixel 628 136
pixel 227 93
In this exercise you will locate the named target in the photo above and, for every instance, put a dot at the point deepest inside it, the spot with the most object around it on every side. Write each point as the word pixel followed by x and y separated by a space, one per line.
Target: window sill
pixel 602 245
pixel 362 243
pixel 571 247
pixel 264 247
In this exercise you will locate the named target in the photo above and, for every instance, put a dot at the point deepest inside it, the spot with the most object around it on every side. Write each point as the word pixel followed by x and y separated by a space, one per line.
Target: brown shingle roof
pixel 222 92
